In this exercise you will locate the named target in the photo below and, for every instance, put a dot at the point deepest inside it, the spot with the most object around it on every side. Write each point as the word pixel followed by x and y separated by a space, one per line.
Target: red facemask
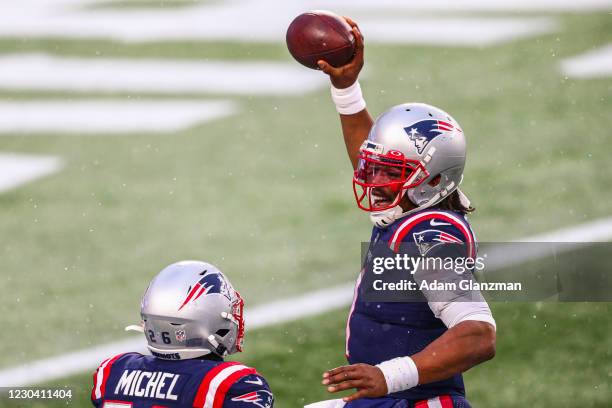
pixel 237 313
pixel 380 181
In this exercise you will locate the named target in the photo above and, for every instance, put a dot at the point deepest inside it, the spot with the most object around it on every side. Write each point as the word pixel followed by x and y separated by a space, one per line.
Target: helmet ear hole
pixel 435 181
pixel 222 332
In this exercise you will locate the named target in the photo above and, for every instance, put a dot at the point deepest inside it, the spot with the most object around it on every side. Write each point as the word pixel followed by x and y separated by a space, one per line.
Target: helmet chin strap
pixel 463 199
pixel 178 354
pixel 382 219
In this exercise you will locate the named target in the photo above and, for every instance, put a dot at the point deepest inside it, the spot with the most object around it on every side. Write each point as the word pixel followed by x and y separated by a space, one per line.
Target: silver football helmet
pixel 414 150
pixel 190 309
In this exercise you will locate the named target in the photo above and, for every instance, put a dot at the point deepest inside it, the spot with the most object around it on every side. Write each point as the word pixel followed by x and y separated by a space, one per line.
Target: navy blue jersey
pixel 138 381
pixel 380 331
pixel 442 401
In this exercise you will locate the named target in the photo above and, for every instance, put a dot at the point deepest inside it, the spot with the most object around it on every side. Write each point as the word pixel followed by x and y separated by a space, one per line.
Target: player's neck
pixel 211 357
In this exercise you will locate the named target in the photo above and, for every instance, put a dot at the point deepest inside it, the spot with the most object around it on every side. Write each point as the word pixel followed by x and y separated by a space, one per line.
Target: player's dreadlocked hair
pixel 453 203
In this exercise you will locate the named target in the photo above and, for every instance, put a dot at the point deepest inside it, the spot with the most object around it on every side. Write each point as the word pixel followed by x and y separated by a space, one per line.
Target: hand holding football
pixel 320 35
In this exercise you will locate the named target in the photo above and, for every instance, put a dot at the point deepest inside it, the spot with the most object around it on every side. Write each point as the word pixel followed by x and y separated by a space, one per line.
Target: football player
pixel 191 318
pixel 408 166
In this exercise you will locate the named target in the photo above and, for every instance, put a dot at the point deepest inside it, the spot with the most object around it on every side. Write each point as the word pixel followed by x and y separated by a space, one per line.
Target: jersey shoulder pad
pixel 250 391
pixel 430 228
pixel 229 380
pixel 102 373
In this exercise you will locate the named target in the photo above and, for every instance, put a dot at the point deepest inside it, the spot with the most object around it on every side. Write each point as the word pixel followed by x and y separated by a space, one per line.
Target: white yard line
pixel 17 169
pixel 55 6
pixel 47 72
pixel 108 116
pixel 593 64
pixel 548 6
pixel 265 315
pixel 209 22
pixel 64 365
pixel 455 31
pixel 548 244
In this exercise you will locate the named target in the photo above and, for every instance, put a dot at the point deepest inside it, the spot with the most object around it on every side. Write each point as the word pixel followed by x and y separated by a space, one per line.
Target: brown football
pixel 320 35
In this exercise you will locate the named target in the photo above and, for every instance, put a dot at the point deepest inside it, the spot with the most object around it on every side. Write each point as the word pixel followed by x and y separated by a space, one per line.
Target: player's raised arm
pixel 354 117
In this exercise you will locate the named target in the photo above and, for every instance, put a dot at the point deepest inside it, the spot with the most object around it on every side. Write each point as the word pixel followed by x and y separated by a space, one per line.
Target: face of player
pixel 382 185
pixel 389 181
pixel 381 180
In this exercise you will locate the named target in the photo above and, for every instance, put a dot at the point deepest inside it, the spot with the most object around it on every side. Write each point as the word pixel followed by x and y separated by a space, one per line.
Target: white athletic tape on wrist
pixel 400 374
pixel 349 100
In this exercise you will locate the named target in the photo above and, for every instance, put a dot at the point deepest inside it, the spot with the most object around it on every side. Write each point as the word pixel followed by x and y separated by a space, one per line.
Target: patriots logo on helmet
pixel 428 239
pixel 261 398
pixel 423 132
pixel 207 284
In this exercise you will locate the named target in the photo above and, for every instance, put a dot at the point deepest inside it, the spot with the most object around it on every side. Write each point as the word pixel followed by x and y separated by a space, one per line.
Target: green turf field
pixel 544 358
pixel 266 196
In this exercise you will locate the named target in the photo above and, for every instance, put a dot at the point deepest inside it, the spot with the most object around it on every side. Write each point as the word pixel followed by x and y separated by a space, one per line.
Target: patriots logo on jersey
pixel 431 238
pixel 207 284
pixel 261 398
pixel 423 132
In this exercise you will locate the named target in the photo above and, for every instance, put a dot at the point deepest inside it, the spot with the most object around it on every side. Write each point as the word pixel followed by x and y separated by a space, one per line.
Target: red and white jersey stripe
pixel 101 377
pixel 217 382
pixel 348 321
pixel 443 401
pixel 410 222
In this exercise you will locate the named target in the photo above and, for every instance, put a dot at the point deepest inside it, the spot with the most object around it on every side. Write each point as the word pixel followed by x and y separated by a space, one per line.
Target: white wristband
pixel 348 100
pixel 400 374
